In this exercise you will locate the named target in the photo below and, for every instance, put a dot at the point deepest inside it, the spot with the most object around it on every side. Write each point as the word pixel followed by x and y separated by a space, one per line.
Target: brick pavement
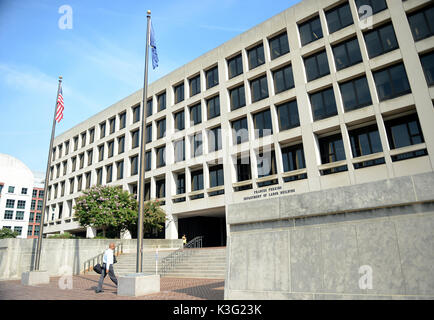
pixel 83 288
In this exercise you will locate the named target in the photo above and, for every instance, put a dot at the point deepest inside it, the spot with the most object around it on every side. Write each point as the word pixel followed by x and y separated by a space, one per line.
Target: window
pixel 215 139
pixel 91 135
pixel 101 152
pixel 256 56
pixel 310 31
pixel 148 132
pixel 212 77
pixel 179 92
pixel 196 145
pixel 263 125
pixel 366 141
pixel 376 6
pixel 80 180
pixel 36 233
pixel 33 205
pixel 339 17
pixel 293 159
pixel 89 159
pixel 332 149
pixel 58 167
pixel 121 144
pixel 197 183
pixel 422 23
pixel 60 147
pixel 179 147
pixel 30 231
pixel 88 179
pixel 21 204
pixel 71 184
pixel 279 45
pixel 381 40
pixel 240 131
pixel 161 156
pixel 39 206
pixel 41 194
pixel 148 164
pixel 75 143
pixel 149 108
pixel 259 88
pixel 288 115
pixel 9 214
pixel 427 61
pixel 34 192
pixel 347 54
pixel 237 97
pixel 244 172
pixel 110 147
pixel 179 121
pixel 102 130
pixel 112 125
pixel 161 128
pixel 134 165
pixel 266 164
pixel 23 190
pixel 216 178
pixel 122 120
pixel 213 107
pixel 136 114
pixel 98 176
pixel 161 188
pixel 120 170
pixel 195 86
pixel 18 230
pixel 135 139
pixel 404 131
pixel 283 79
pixel 323 104
pixel 316 66
pixel 109 176
pixel 235 66
pixel 67 147
pixel 355 94
pixel 11 189
pixel 180 183
pixel 161 98
pixel 196 114
pixel 391 82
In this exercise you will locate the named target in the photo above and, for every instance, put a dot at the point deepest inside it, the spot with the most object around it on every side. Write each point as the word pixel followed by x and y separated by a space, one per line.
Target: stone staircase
pixel 206 263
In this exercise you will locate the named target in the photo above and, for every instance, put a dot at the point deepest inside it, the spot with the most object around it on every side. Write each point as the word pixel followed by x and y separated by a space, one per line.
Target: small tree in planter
pixel 7 233
pixel 106 207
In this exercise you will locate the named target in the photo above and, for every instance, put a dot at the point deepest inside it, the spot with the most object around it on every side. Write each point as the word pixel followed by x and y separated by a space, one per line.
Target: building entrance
pixel 213 230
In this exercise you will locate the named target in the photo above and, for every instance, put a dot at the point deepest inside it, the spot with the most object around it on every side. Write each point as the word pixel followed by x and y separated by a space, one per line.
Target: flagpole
pixel 139 263
pixel 44 203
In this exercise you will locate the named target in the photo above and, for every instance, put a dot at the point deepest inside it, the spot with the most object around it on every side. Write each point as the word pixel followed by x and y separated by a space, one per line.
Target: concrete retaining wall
pixel 60 256
pixel 320 245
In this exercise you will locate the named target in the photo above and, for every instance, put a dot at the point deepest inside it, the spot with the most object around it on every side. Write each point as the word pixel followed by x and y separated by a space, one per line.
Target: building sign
pixel 269 192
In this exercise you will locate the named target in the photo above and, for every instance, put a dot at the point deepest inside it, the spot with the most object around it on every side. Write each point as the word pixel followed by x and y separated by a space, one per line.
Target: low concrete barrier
pixel 63 256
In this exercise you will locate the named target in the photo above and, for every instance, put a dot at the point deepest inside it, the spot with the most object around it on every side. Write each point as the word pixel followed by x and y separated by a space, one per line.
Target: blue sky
pixel 101 58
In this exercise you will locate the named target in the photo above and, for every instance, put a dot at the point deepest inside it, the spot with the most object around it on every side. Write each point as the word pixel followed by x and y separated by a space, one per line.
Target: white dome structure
pixel 16 186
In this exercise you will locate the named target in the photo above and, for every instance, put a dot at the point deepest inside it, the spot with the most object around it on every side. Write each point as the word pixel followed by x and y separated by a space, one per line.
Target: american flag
pixel 60 107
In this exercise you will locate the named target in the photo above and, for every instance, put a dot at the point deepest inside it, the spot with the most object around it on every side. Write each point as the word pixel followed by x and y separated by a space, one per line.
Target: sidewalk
pixel 83 288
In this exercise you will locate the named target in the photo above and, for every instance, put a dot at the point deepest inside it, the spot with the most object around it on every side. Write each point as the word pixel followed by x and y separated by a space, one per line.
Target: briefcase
pixel 97 268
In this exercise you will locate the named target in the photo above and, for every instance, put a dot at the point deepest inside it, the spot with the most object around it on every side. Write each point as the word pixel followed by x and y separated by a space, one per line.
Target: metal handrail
pixel 179 255
pixel 90 263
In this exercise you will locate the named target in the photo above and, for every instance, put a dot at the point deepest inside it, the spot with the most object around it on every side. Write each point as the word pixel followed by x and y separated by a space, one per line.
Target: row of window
pixel 33 230
pixel 10 204
pixel 9 215
pixel 17 229
pixel 11 189
pixel 401 132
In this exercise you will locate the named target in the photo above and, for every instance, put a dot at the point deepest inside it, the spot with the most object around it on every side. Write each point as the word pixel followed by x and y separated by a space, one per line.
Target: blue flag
pixel 153 45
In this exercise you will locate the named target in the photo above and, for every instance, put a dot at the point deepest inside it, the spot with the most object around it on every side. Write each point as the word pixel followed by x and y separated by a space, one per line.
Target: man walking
pixel 107 267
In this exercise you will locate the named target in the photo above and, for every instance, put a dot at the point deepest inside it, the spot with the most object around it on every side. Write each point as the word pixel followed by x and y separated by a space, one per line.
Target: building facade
pixel 326 94
pixel 16 185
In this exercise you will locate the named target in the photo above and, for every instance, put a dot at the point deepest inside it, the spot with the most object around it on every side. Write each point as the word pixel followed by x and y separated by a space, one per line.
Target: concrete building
pixel 315 98
pixel 36 205
pixel 16 185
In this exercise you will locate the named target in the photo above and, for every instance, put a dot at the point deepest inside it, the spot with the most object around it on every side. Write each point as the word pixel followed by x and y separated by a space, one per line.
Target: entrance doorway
pixel 213 230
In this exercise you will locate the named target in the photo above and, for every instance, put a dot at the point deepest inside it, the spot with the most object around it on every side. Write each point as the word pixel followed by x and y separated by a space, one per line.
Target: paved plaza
pixel 83 288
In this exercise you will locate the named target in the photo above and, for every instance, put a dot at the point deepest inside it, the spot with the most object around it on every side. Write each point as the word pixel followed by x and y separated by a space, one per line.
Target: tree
pixel 7 233
pixel 106 207
pixel 112 209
